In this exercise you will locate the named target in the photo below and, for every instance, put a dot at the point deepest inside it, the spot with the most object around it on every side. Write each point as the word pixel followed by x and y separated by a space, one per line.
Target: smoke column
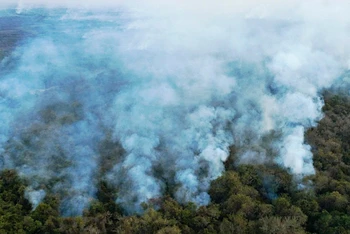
pixel 169 87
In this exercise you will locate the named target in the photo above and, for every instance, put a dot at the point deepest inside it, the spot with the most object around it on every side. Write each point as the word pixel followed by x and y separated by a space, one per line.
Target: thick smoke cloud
pixel 151 96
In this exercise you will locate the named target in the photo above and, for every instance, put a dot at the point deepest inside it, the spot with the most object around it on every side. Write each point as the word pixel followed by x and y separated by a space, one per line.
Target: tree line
pixel 264 199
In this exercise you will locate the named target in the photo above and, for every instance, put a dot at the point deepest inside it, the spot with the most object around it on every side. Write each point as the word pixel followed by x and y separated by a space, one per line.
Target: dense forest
pixel 245 199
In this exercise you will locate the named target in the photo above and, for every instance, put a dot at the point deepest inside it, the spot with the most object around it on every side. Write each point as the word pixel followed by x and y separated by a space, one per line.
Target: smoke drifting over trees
pixel 150 99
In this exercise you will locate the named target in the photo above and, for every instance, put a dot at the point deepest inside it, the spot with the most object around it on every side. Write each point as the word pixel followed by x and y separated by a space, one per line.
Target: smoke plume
pixel 150 97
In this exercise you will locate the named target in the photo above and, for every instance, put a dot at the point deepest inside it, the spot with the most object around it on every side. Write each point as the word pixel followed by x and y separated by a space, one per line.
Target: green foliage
pixel 261 199
pixel 224 186
pixel 280 225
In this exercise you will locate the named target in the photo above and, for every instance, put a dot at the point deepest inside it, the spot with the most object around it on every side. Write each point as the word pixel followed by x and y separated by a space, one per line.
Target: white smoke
pixel 175 83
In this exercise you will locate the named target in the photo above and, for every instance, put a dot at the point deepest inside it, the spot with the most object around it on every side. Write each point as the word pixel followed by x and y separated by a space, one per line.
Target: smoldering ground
pixel 150 95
